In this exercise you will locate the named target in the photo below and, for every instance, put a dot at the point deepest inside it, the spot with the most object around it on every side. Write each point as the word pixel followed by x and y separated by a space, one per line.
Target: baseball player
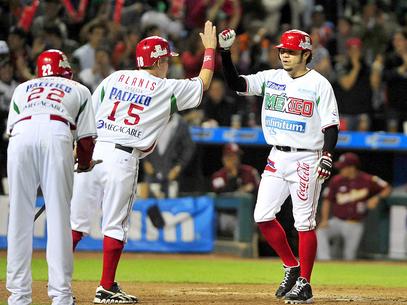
pixel 300 122
pixel 350 194
pixel 132 107
pixel 44 115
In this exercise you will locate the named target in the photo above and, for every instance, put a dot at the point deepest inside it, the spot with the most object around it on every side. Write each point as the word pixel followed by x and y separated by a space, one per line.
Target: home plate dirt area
pixel 223 294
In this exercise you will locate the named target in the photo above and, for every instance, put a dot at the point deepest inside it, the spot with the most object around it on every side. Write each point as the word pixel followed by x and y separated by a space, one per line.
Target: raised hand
pixel 209 36
pixel 226 38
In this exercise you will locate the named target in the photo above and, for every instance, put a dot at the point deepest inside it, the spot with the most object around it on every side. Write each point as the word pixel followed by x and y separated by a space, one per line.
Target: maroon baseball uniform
pixel 222 182
pixel 349 196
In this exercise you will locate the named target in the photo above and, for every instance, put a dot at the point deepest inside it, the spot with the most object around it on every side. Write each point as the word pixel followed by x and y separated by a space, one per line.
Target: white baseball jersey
pixel 40 153
pixel 54 95
pixel 132 107
pixel 295 110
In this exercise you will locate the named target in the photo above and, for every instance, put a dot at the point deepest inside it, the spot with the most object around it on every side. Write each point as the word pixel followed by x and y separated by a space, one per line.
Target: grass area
pixel 229 271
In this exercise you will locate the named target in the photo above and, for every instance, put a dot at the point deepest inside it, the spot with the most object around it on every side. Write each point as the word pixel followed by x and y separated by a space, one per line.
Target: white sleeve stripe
pixel 329 125
pixel 87 135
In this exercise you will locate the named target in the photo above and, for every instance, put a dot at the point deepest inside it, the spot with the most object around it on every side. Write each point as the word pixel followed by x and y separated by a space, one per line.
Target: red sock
pixel 76 237
pixel 276 238
pixel 112 249
pixel 307 252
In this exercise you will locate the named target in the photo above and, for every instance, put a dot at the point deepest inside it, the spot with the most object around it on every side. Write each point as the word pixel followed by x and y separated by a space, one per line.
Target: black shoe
pixel 290 277
pixel 114 295
pixel 300 294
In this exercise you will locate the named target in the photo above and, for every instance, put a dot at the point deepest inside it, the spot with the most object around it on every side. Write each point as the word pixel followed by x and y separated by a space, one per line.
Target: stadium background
pixel 27 28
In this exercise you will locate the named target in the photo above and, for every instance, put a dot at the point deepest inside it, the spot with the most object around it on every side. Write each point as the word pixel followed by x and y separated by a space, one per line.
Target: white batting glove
pixel 226 38
pixel 324 168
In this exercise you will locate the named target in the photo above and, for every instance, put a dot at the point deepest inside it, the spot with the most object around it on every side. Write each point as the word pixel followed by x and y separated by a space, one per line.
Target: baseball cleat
pixel 113 296
pixel 290 277
pixel 301 293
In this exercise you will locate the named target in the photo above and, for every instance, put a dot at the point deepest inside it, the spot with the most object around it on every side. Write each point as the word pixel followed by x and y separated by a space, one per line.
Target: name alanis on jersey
pixel 117 128
pixel 292 105
pixel 126 96
pixel 277 123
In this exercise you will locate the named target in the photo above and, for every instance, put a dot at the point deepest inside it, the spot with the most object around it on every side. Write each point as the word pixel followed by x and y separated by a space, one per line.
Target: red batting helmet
pixel 295 40
pixel 53 62
pixel 151 49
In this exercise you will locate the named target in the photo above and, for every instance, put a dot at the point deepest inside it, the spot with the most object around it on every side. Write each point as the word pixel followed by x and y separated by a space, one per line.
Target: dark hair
pixel 53 29
pixel 309 57
pixel 97 25
pixel 15 30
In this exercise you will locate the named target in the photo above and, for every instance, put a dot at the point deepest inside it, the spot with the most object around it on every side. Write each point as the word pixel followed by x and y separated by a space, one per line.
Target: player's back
pixel 133 106
pixel 48 95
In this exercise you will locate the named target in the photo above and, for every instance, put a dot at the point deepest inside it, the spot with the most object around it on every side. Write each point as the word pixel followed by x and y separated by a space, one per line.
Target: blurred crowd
pixel 359 45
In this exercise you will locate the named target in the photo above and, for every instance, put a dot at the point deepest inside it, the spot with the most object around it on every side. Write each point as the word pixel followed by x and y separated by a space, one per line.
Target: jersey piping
pixel 81 109
pixel 174 107
pixel 15 107
pixel 102 95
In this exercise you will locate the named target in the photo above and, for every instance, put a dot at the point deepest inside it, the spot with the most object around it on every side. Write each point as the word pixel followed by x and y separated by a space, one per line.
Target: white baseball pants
pixel 289 173
pixel 40 153
pixel 112 185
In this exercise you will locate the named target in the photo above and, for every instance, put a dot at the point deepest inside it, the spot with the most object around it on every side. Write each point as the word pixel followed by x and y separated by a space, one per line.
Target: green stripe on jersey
pixel 173 104
pixel 15 107
pixel 318 100
pixel 263 89
pixel 80 110
pixel 102 94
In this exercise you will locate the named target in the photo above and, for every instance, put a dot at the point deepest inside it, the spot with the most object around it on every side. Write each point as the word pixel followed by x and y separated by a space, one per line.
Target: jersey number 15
pixel 130 112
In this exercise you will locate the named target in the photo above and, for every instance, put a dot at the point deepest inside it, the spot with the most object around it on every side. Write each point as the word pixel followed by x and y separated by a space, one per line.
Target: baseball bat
pixel 39 212
pixel 42 209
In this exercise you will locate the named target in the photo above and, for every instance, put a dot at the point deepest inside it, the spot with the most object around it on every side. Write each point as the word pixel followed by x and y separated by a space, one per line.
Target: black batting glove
pixel 324 168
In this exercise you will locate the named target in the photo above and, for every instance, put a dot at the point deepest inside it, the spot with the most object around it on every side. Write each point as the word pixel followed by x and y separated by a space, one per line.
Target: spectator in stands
pixel 218 107
pixel 321 60
pixel 86 53
pixel 235 176
pixel 124 53
pixel 192 55
pixel 159 17
pixel 354 88
pixel 324 27
pixel 395 77
pixel 337 46
pixel 7 86
pixel 373 31
pixel 4 51
pixel 51 10
pixel 102 68
pixel 164 166
pixel 20 53
pixel 226 13
pixel 54 39
pixel 348 197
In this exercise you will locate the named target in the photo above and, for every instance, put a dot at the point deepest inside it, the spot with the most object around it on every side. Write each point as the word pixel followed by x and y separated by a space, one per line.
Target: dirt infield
pixel 216 294
pixel 205 294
